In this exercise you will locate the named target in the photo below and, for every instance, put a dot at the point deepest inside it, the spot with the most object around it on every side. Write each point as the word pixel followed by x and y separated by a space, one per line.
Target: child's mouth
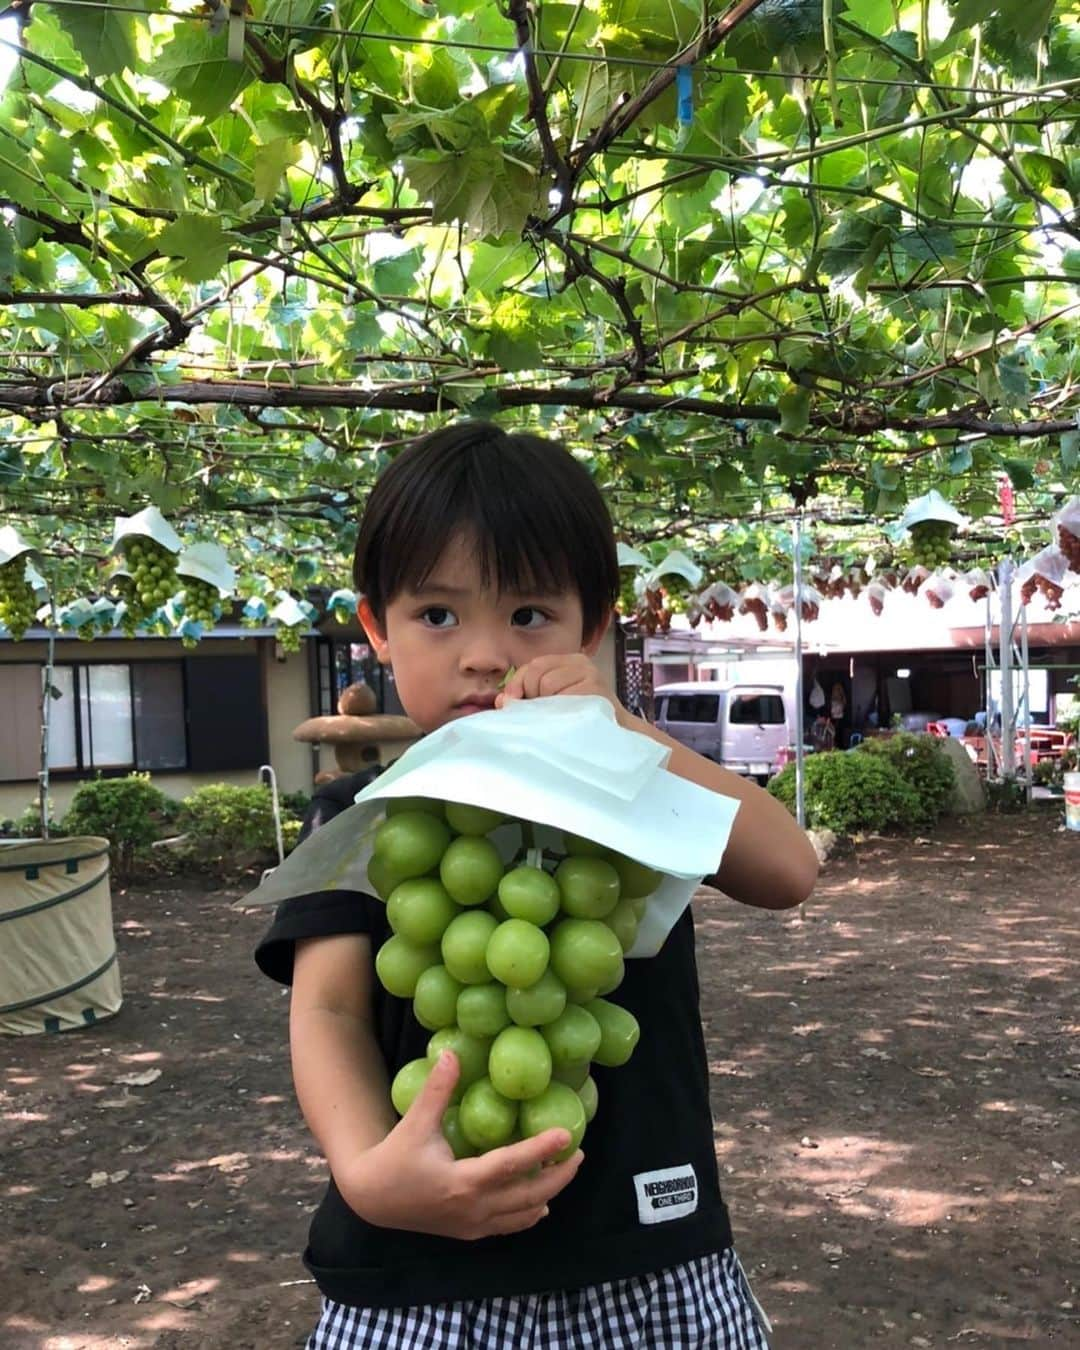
pixel 477 703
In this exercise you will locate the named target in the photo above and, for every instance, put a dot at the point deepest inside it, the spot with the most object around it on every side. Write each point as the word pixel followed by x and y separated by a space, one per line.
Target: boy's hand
pixel 412 1181
pixel 573 673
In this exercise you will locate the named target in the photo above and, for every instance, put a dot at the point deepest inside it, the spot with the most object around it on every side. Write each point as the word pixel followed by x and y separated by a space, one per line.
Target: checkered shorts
pixel 705 1304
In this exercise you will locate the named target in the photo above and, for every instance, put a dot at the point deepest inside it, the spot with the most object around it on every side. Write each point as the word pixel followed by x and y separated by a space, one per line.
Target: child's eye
pixel 528 616
pixel 438 616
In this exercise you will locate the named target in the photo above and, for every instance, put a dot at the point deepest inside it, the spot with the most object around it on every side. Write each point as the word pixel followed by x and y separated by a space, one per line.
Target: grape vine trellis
pixel 744 258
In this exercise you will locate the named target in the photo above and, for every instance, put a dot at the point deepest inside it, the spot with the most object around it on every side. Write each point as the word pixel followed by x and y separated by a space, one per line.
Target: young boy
pixel 481 551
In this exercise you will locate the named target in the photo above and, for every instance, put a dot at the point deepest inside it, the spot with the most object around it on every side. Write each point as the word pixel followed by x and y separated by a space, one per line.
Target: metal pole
pixel 988 702
pixel 1005 662
pixel 800 792
pixel 46 705
pixel 1026 669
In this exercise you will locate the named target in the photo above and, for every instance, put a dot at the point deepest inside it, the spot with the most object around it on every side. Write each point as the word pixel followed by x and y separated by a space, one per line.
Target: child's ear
pixel 592 644
pixel 376 635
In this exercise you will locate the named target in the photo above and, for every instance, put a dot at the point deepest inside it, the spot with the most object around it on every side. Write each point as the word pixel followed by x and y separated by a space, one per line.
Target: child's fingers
pixel 534 1192
pixel 506 1164
pixel 565 680
pixel 426 1112
pixel 544 675
pixel 511 689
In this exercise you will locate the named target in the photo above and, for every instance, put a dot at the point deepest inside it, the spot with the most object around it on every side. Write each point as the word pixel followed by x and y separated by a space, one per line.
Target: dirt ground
pixel 896 1084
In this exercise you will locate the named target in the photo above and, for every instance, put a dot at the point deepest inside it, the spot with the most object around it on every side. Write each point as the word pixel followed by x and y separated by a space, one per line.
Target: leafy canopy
pixel 830 262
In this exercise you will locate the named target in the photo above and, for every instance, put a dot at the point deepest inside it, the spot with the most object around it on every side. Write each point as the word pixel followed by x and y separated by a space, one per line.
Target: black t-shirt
pixel 647 1195
pixel 330 799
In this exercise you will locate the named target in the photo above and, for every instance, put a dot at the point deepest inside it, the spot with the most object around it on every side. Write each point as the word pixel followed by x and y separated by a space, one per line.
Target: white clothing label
pixel 670 1193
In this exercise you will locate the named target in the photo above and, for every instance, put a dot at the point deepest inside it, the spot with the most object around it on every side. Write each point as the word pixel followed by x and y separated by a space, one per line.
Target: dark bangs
pixel 537 518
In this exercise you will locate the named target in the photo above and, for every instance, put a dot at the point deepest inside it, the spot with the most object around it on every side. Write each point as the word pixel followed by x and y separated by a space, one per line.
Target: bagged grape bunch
pixel 810 599
pixel 508 964
pixel 514 912
pixel 719 602
pixel 755 601
pixel 145 578
pixel 932 523
pixel 978 582
pixel 931 543
pixel 939 590
pixel 1044 574
pixel 1067 531
pixel 17 601
pixel 913 579
pixel 208 580
pixel 20 583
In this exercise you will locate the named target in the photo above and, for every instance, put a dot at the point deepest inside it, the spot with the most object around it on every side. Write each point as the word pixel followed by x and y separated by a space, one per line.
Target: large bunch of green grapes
pixel 153 580
pixel 509 966
pixel 289 636
pixel 16 598
pixel 202 601
pixel 931 543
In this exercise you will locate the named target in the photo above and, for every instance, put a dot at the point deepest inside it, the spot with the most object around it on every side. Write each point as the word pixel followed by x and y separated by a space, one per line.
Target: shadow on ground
pixel 896 1083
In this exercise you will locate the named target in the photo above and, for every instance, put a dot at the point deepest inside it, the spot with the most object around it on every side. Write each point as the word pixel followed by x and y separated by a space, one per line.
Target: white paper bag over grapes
pixel 523 854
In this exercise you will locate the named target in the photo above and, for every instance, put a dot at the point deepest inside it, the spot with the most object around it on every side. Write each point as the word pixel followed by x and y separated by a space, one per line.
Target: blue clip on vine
pixel 684 86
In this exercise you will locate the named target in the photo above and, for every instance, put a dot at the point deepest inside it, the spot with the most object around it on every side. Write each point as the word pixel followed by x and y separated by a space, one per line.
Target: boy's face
pixel 451 642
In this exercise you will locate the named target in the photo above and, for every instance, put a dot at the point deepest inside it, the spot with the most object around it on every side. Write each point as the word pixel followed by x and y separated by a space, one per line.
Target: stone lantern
pixel 360 737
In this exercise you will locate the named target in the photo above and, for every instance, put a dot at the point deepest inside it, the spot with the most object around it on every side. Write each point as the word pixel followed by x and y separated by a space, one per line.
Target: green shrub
pixel 231 828
pixel 294 804
pixel 849 793
pixel 129 812
pixel 922 764
pixel 28 825
pixel 1048 773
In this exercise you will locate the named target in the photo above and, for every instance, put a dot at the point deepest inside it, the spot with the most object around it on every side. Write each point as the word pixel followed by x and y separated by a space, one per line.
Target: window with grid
pixel 103 716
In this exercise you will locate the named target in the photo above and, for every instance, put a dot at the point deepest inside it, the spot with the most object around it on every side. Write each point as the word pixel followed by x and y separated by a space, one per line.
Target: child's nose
pixel 485 656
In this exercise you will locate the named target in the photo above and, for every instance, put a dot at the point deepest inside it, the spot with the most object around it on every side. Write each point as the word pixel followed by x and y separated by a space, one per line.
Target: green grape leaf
pixel 7 254
pixel 480 188
pixel 794 405
pixel 196 65
pixel 104 37
pixel 199 243
pixel 271 161
pixel 394 276
pixel 1014 378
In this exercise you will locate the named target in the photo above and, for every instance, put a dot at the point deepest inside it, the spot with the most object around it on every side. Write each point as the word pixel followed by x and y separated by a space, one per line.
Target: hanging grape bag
pixel 810 599
pixel 524 856
pixel 978 582
pixel 1044 575
pixel 19 598
pixel 208 579
pixel 939 590
pixel 146 546
pixel 1066 527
